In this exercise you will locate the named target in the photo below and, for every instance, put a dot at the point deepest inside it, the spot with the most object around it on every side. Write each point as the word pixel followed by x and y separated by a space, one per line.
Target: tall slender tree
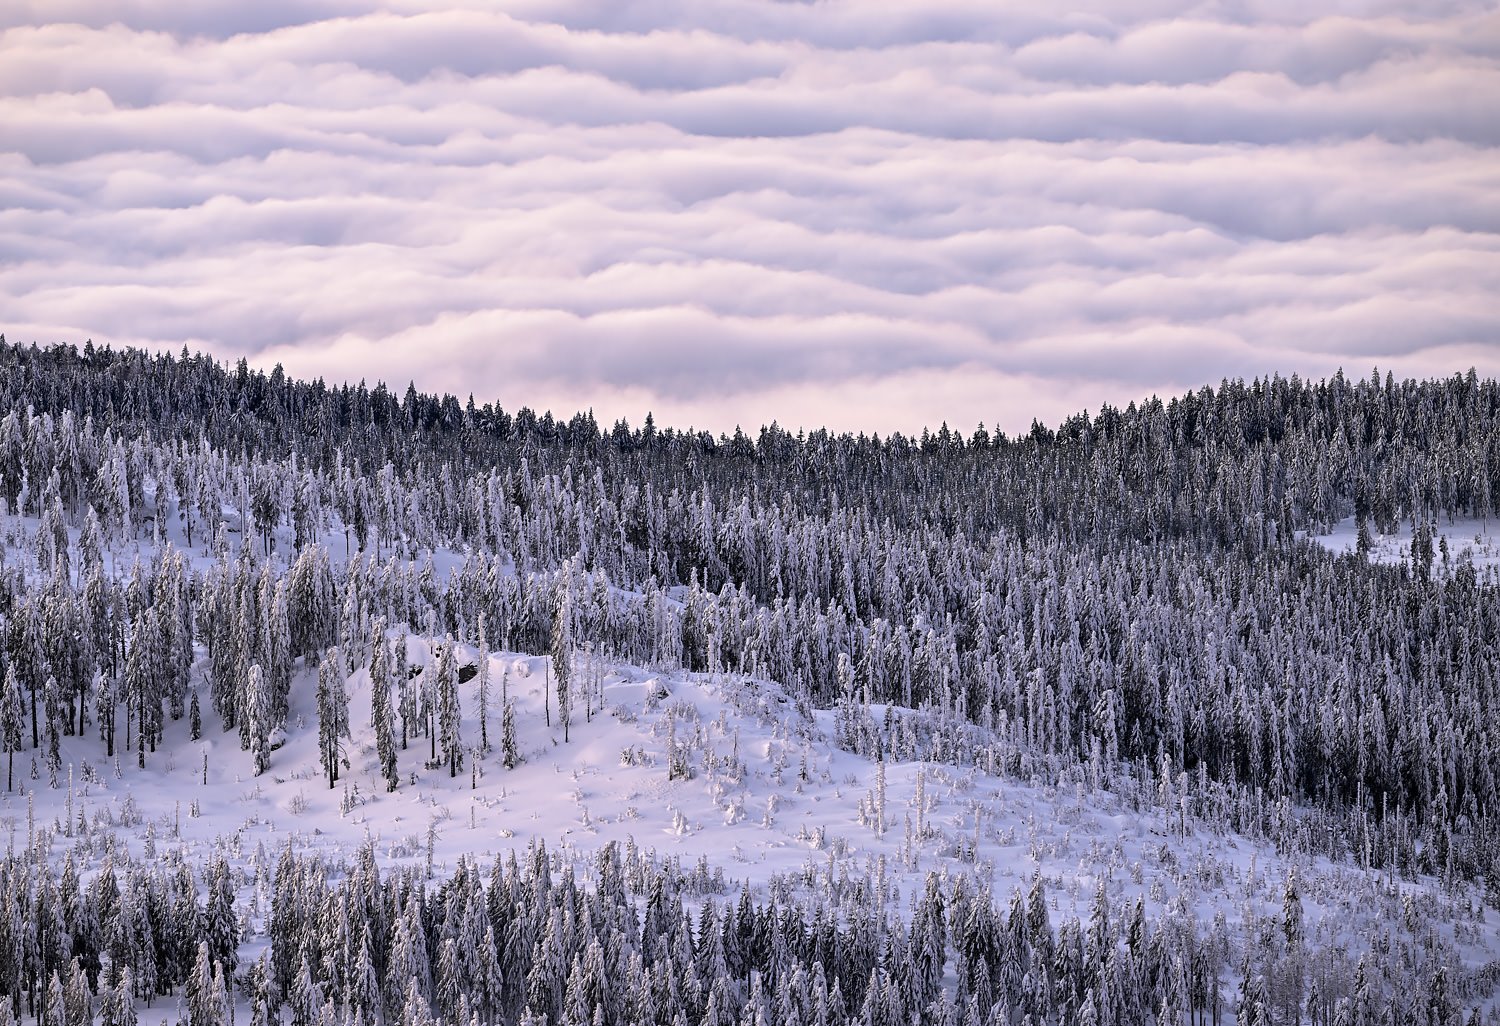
pixel 12 715
pixel 333 714
pixel 380 708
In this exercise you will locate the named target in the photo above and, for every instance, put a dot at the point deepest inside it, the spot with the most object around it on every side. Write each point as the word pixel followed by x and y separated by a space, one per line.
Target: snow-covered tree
pixel 333 714
pixel 380 709
pixel 12 716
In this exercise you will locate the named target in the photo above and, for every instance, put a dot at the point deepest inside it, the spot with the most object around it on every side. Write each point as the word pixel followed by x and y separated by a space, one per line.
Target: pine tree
pixel 140 681
pixel 305 997
pixel 220 925
pixel 408 702
pixel 484 687
pixel 12 715
pixel 1290 971
pixel 77 997
pixel 55 1010
pixel 408 970
pixel 380 711
pixel 678 767
pixel 118 1005
pixel 311 602
pixel 106 703
pixel 415 1010
pixel 562 655
pixel 207 1004
pixel 1421 547
pixel 53 537
pixel 258 715
pixel 364 986
pixel 52 702
pixel 510 755
pixel 258 991
pixel 450 982
pixel 450 737
pixel 333 714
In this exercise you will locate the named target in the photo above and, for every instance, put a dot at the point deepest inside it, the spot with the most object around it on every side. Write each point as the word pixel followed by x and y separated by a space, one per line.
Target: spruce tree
pixel 54 1010
pixel 510 755
pixel 333 714
pixel 484 687
pixel 257 715
pixel 53 704
pixel 449 712
pixel 258 991
pixel 138 685
pixel 204 995
pixel 221 929
pixel 562 658
pixel 12 715
pixel 408 700
pixel 380 710
pixel 117 1003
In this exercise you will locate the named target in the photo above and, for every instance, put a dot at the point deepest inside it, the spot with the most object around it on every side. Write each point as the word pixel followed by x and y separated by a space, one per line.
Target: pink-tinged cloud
pixel 866 216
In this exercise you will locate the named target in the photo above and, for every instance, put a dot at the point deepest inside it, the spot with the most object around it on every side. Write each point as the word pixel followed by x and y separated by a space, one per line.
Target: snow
pixel 1479 539
pixel 755 822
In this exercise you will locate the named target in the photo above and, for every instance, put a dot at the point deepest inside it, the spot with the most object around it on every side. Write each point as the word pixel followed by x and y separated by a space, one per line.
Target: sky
pixel 865 215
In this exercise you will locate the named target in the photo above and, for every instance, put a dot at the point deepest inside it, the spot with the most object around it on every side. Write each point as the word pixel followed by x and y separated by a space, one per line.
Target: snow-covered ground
pixel 1478 538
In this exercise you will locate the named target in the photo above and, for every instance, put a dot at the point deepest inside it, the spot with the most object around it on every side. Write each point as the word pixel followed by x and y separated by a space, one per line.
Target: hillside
pixel 1117 722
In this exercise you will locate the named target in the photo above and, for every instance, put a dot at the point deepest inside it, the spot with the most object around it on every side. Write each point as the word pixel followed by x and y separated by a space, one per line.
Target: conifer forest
pixel 327 705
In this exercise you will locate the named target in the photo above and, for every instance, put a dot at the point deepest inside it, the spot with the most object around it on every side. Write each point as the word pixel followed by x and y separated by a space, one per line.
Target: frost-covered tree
pixel 449 735
pixel 12 716
pixel 510 753
pixel 380 709
pixel 482 686
pixel 312 607
pixel 220 925
pixel 207 1002
pixel 562 655
pixel 333 714
pixel 258 718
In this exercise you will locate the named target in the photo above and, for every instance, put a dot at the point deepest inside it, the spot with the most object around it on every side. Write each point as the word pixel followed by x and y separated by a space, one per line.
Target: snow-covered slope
pixel 766 800
pixel 1476 540
pixel 719 777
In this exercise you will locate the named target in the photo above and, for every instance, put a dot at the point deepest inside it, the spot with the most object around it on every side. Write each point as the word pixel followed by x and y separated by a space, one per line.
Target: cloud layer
pixel 869 216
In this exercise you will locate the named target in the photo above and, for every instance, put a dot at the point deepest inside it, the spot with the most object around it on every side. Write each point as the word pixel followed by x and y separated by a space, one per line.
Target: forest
pixel 1134 601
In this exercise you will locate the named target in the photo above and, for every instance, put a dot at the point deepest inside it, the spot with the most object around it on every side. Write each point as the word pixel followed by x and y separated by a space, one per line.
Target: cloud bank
pixel 865 216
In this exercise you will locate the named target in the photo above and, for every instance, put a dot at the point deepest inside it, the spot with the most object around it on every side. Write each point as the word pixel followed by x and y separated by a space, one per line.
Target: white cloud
pixel 870 216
